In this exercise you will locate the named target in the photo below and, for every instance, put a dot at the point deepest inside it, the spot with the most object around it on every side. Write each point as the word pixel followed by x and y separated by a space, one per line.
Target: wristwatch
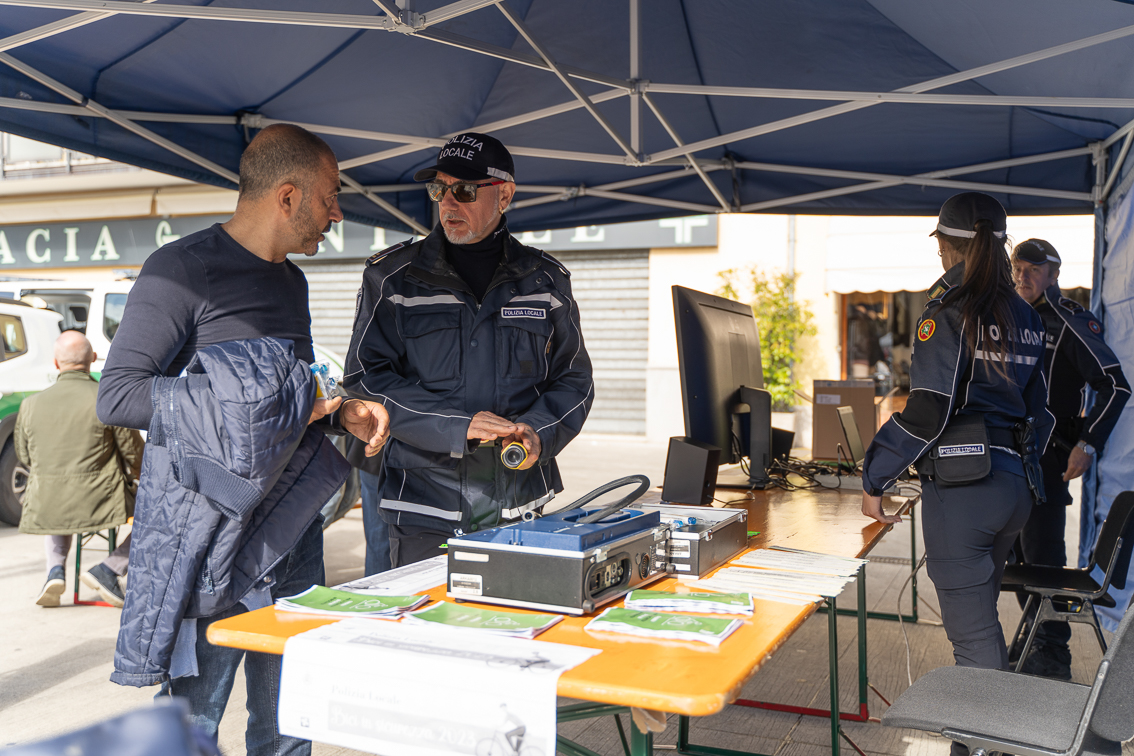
pixel 1087 448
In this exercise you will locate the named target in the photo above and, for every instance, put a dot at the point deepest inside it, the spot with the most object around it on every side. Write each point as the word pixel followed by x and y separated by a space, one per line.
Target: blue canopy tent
pixel 620 111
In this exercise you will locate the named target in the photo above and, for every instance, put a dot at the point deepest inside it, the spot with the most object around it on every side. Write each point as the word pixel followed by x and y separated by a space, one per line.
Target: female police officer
pixel 975 382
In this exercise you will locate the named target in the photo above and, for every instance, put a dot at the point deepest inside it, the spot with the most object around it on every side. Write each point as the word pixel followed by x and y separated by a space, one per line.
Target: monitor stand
pixel 752 423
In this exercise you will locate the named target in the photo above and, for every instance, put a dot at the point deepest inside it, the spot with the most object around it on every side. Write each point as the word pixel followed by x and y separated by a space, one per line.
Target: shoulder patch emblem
pixel 926 330
pixel 1094 326
pixel 379 255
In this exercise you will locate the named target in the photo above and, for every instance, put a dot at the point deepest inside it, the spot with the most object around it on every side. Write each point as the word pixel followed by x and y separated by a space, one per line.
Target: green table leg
pixel 641 743
pixel 833 657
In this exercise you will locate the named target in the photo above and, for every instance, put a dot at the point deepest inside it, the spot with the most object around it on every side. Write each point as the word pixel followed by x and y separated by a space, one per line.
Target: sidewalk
pixel 55 665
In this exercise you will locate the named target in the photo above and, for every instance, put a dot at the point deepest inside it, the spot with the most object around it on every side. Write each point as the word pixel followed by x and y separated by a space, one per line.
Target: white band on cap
pixel 941 228
pixel 504 175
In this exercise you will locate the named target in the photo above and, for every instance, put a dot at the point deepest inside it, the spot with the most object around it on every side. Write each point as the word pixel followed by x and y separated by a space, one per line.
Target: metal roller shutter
pixel 332 289
pixel 612 289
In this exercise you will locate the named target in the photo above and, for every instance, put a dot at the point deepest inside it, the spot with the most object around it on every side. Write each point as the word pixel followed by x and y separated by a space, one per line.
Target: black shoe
pixel 103 580
pixel 53 588
pixel 1048 660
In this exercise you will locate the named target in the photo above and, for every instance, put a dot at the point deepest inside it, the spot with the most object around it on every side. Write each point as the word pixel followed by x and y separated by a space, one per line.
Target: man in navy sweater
pixel 231 282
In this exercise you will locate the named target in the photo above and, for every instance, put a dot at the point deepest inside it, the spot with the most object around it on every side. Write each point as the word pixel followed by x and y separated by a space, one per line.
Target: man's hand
pixel 486 426
pixel 529 439
pixel 1077 464
pixel 872 507
pixel 367 421
pixel 324 407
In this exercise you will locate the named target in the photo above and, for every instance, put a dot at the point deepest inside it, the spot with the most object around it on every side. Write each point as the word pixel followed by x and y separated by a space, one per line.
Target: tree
pixel 783 322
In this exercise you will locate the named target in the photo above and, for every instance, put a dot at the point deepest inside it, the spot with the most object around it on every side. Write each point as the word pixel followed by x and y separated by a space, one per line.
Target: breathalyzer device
pixel 514 455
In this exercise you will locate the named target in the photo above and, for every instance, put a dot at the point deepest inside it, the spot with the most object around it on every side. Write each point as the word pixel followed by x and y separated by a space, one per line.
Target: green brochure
pixel 526 625
pixel 708 603
pixel 668 626
pixel 321 600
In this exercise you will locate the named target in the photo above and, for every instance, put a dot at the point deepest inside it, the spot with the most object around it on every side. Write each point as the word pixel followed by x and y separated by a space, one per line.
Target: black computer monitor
pixel 722 379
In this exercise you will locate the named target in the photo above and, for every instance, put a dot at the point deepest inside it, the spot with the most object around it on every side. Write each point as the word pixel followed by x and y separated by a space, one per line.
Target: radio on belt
pixel 560 562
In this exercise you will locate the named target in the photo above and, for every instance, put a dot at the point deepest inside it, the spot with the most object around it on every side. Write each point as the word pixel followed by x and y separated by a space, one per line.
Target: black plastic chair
pixel 994 710
pixel 1070 594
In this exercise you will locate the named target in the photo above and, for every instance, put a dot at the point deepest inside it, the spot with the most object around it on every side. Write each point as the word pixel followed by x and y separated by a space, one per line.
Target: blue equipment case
pixel 557 563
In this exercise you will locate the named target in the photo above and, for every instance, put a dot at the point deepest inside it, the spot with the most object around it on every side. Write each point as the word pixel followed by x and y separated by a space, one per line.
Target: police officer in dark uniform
pixel 1076 357
pixel 975 380
pixel 472 342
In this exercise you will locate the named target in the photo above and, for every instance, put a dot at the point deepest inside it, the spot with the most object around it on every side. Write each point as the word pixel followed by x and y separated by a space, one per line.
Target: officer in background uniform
pixel 976 378
pixel 472 342
pixel 1076 357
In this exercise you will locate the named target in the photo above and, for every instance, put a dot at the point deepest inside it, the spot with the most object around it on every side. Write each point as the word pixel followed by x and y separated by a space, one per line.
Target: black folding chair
pixel 994 710
pixel 1070 594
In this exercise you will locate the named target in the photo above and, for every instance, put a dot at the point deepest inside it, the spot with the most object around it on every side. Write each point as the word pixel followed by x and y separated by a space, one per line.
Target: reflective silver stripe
pixel 1021 359
pixel 421 509
pixel 419 301
pixel 497 173
pixel 551 300
pixel 965 234
pixel 512 514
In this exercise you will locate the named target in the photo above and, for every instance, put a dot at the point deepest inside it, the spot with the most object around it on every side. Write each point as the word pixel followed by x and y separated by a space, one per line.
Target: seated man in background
pixel 82 473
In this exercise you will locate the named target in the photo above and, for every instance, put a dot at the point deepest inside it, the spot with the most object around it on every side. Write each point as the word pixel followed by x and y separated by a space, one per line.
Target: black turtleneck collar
pixel 476 263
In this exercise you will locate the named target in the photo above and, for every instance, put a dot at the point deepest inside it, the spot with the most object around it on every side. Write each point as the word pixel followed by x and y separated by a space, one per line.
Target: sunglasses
pixel 462 192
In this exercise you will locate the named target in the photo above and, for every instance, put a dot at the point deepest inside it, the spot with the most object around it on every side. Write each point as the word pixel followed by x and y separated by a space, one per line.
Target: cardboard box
pixel 826 431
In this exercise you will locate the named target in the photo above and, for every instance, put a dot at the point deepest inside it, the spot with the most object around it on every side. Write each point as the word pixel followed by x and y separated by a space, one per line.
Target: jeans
pixel 377 533
pixel 208 692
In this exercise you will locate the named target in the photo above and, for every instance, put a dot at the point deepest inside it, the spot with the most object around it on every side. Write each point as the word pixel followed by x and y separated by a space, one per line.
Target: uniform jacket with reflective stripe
pixel 232 477
pixel 947 379
pixel 1077 357
pixel 434 357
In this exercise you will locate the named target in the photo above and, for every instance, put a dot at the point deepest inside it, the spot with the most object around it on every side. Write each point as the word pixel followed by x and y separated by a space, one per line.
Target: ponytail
pixel 985 295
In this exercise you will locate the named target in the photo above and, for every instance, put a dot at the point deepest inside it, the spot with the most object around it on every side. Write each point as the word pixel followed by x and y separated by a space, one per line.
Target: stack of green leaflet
pixel 329 601
pixel 512 624
pixel 670 626
pixel 706 603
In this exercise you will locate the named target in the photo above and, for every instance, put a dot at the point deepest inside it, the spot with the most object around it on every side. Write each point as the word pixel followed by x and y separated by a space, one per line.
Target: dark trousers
pixel 409 545
pixel 1042 539
pixel 969 531
pixel 373 526
pixel 208 691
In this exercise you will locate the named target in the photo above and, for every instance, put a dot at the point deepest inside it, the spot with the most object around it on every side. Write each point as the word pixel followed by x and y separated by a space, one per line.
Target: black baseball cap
pixel 960 213
pixel 471 157
pixel 1036 251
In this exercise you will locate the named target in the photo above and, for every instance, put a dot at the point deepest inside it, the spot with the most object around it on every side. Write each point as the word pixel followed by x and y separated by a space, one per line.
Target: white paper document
pixel 401 690
pixel 800 561
pixel 403 581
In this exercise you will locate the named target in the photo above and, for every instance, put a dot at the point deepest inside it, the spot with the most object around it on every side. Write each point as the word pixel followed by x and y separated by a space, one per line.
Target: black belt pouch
pixel 962 454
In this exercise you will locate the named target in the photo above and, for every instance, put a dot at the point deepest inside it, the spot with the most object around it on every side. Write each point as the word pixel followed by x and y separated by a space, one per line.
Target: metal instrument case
pixel 556 564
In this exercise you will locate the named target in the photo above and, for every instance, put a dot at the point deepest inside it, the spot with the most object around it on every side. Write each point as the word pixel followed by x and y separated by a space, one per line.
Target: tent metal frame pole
pixel 417 227
pixel 56 27
pixel 110 115
pixel 259 16
pixel 504 123
pixel 888 97
pixel 1114 171
pixel 526 33
pixel 937 83
pixel 725 206
pixel 582 191
pixel 635 77
pixel 1118 134
pixel 569 192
